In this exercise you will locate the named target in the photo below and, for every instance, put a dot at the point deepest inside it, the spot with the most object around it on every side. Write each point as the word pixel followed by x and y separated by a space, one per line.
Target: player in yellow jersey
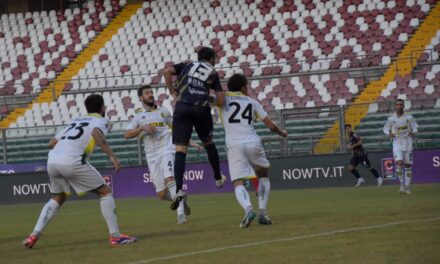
pixel 68 166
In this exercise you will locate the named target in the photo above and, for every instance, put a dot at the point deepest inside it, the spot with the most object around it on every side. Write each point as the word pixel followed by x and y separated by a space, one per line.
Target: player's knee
pixel 208 142
pixel 60 198
pixel 103 190
pixel 351 168
pixel 399 163
pixel 238 183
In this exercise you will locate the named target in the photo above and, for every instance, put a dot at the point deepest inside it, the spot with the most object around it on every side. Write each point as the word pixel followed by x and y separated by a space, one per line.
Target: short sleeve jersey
pixel 238 116
pixel 75 141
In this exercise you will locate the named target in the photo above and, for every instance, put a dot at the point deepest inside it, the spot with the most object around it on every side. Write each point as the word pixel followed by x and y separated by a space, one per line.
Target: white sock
pixel 242 196
pixel 172 193
pixel 408 176
pixel 263 194
pixel 47 213
pixel 399 173
pixel 171 189
pixel 108 210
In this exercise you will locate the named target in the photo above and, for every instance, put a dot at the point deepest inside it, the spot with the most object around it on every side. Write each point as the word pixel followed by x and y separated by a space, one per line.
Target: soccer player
pixel 68 165
pixel 195 80
pixel 359 156
pixel 153 125
pixel 246 155
pixel 401 128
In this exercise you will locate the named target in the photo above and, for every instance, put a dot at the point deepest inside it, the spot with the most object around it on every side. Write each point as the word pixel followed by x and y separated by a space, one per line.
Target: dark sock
pixel 179 169
pixel 356 173
pixel 374 172
pixel 214 160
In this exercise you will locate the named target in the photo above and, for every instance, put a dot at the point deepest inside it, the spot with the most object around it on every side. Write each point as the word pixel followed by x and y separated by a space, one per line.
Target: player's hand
pixel 349 146
pixel 116 164
pixel 198 147
pixel 173 94
pixel 392 135
pixel 149 129
pixel 283 133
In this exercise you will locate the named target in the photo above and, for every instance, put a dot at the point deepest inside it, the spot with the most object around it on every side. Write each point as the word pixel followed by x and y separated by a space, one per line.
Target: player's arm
pixel 52 142
pixel 414 127
pixel 168 76
pixel 274 128
pixel 100 141
pixel 132 133
pixel 387 129
pixel 219 93
pixel 192 143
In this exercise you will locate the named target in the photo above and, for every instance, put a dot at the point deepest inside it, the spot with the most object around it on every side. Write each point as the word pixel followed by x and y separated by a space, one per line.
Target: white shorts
pixel 160 169
pixel 406 156
pixel 82 177
pixel 243 158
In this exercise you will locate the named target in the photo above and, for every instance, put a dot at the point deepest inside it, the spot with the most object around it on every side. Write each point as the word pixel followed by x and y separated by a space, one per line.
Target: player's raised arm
pixel 274 128
pixel 99 138
pixel 168 76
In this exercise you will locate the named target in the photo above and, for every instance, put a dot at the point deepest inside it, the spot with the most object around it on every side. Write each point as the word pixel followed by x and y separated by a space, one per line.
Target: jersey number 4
pixel 78 128
pixel 246 114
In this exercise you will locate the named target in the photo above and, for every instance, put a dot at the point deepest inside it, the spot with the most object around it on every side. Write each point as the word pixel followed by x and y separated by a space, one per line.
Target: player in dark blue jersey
pixel 194 82
pixel 359 156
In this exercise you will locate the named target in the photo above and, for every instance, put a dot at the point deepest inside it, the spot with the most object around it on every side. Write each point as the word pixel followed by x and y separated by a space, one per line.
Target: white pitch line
pixel 258 243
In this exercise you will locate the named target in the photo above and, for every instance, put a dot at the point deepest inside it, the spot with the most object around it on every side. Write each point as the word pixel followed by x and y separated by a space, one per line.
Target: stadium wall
pixel 285 173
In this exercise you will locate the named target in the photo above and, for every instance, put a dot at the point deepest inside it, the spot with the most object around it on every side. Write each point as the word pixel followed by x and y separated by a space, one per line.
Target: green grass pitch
pixel 330 225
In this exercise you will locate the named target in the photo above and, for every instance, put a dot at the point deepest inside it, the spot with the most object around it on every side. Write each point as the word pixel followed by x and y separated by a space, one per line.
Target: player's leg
pixel 204 128
pixel 240 169
pixel 354 161
pixel 182 129
pixel 367 164
pixel 257 157
pixel 59 187
pixel 85 178
pixel 167 170
pixel 398 158
pixel 408 160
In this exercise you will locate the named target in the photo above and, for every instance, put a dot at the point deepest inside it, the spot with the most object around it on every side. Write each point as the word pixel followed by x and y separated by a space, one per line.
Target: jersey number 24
pixel 245 114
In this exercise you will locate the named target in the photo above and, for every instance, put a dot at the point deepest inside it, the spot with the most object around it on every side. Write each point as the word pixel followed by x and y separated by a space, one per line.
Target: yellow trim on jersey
pixel 234 94
pixel 95 115
pixel 90 147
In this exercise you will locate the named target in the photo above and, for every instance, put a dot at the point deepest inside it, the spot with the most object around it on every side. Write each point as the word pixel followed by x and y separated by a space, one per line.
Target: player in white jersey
pixel 246 155
pixel 153 125
pixel 401 128
pixel 68 166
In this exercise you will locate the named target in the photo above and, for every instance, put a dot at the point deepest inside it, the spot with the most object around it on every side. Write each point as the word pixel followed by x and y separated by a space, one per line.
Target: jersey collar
pixel 234 94
pixel 150 109
pixel 95 115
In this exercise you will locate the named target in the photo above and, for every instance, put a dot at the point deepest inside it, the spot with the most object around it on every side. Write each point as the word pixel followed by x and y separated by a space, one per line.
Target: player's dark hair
pixel 347 125
pixel 236 82
pixel 94 103
pixel 142 88
pixel 399 100
pixel 206 53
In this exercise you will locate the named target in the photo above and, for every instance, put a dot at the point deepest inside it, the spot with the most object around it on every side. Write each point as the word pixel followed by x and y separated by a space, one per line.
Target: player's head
pixel 207 54
pixel 348 128
pixel 95 104
pixel 399 104
pixel 146 95
pixel 238 83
